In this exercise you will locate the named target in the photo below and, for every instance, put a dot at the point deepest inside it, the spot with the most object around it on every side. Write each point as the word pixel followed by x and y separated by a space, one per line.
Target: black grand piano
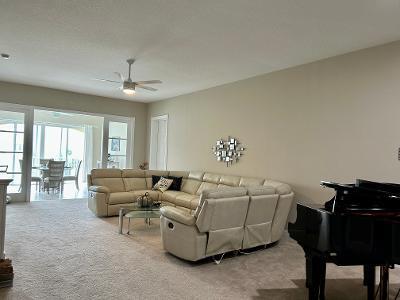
pixel 359 226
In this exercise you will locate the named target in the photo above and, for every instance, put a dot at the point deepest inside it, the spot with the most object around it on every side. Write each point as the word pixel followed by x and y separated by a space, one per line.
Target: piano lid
pixel 364 196
pixel 366 186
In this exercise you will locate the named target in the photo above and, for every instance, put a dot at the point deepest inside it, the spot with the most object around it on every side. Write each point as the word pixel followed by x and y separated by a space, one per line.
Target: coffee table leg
pixel 129 226
pixel 121 220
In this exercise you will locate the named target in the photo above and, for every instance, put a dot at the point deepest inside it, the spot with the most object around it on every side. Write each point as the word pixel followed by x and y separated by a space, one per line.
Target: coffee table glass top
pixel 136 211
pixel 142 212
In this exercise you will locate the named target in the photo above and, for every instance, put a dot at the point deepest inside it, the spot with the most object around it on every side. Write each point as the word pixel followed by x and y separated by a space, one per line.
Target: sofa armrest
pixel 98 203
pixel 178 215
pixel 99 189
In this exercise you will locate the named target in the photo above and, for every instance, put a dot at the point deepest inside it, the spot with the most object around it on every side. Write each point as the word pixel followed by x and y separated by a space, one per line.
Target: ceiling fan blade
pixel 146 87
pixel 105 80
pixel 120 76
pixel 149 82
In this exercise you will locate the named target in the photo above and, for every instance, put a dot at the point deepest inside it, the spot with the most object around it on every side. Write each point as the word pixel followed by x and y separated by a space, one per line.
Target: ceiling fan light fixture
pixel 128 88
pixel 129 91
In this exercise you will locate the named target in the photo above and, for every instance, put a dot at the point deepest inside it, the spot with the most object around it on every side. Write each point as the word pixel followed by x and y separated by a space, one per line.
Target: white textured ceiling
pixel 190 45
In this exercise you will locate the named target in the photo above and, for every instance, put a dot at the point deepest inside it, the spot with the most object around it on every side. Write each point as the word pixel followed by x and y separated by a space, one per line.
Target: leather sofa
pixel 231 219
pixel 211 214
pixel 110 189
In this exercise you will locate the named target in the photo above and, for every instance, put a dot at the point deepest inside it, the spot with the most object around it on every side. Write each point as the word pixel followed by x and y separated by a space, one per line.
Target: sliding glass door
pixel 15 130
pixel 58 142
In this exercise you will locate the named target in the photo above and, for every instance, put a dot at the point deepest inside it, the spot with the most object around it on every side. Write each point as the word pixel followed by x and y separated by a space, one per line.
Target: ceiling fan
pixel 128 86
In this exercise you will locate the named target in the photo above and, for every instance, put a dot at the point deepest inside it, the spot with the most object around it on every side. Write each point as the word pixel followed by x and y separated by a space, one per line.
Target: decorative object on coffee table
pixel 228 151
pixel 144 200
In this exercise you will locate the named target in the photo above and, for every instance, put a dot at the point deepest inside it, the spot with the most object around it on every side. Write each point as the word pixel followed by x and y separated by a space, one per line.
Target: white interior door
pixel 159 143
pixel 118 142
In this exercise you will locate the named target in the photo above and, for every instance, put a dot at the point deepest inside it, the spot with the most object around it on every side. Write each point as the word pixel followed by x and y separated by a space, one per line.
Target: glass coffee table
pixel 137 212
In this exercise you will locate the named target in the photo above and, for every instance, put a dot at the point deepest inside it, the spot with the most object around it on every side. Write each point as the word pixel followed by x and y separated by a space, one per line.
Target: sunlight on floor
pixel 70 192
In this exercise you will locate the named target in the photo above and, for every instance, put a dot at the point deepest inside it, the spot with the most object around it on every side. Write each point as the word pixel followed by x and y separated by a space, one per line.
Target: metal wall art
pixel 228 151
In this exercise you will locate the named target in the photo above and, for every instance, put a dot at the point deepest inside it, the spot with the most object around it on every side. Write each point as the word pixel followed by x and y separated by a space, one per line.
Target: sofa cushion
pixel 260 190
pixel 178 215
pixel 106 173
pixel 183 174
pixel 132 184
pixel 185 199
pixel 280 188
pixel 224 193
pixel 169 196
pixel 133 173
pixel 212 178
pixel 206 186
pixel 228 180
pixel 190 186
pixel 176 183
pixel 155 195
pixel 121 197
pixel 150 173
pixel 196 175
pixel 163 184
pixel 155 179
pixel 113 184
pixel 223 186
pixel 194 203
pixel 248 181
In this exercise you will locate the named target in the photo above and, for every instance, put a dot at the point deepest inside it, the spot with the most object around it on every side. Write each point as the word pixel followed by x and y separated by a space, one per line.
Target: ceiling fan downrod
pixel 130 62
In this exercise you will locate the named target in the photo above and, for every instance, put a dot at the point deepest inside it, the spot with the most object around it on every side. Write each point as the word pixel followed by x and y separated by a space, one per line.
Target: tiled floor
pixel 70 192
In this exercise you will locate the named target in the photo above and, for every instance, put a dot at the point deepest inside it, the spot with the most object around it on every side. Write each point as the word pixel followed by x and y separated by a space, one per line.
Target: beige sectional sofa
pixel 211 214
pixel 109 189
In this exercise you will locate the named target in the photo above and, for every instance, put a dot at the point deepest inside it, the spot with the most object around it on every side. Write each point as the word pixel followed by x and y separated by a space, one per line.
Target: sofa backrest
pixel 260 214
pixel 194 182
pixel 210 181
pixel 110 178
pixel 222 214
pixel 134 180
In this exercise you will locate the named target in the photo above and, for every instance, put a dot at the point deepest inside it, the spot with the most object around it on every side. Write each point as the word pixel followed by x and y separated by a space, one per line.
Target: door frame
pixel 130 138
pixel 28 138
pixel 106 119
pixel 156 118
pixel 24 195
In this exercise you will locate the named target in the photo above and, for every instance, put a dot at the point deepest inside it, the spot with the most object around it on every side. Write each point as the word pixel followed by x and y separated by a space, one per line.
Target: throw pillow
pixel 163 184
pixel 176 184
pixel 154 180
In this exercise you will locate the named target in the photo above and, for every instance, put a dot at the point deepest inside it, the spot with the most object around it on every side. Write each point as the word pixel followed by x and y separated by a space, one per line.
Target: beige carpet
pixel 61 251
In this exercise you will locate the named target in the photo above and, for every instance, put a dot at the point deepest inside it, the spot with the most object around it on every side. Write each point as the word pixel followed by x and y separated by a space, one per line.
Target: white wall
pixel 335 119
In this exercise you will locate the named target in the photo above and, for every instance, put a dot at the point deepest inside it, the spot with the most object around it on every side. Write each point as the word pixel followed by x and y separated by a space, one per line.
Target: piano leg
pixel 369 281
pixel 315 275
pixel 384 290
